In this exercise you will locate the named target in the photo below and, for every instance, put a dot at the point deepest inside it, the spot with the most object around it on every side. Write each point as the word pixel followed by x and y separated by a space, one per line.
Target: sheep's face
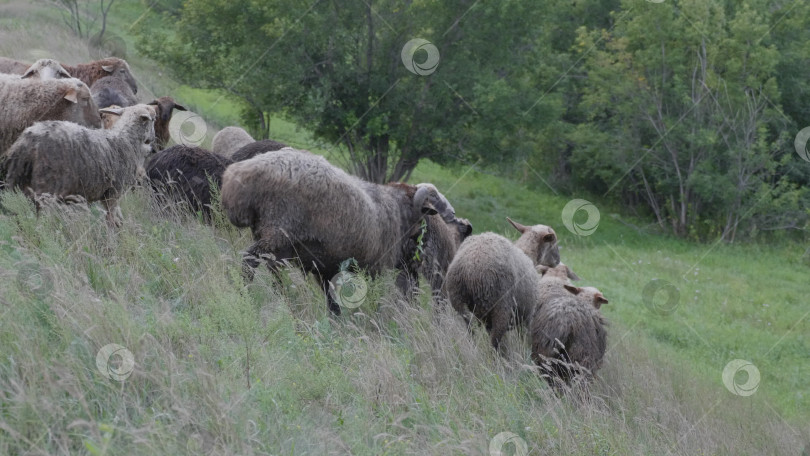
pixel 120 69
pixel 560 271
pixel 46 69
pixel 82 109
pixel 590 295
pixel 539 242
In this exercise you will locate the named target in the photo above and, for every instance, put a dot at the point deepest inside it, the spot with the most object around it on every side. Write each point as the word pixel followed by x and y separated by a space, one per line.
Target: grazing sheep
pixel 46 69
pixel 25 101
pixel 88 73
pixel 164 107
pixel 229 140
pixel 110 90
pixel 259 147
pixel 568 334
pixel 299 206
pixel 63 158
pixel 496 281
pixel 183 172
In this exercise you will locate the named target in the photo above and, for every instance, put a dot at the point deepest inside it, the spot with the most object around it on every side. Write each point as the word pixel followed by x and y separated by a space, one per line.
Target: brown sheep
pixel 568 335
pixel 88 73
pixel 300 207
pixel 496 281
pixel 164 106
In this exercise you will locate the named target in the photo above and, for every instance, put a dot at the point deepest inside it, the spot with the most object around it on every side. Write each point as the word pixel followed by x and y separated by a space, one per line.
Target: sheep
pixel 164 107
pixel 110 90
pixel 46 69
pixel 63 158
pixel 229 140
pixel 568 334
pixel 299 206
pixel 26 101
pixel 11 66
pixel 108 117
pixel 439 245
pixel 552 280
pixel 88 73
pixel 496 281
pixel 259 147
pixel 184 173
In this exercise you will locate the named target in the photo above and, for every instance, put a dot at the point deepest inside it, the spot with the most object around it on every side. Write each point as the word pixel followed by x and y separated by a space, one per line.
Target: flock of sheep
pixel 78 133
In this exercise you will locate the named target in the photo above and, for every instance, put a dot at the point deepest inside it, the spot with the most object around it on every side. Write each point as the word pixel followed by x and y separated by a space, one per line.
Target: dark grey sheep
pixel 185 173
pixel 299 206
pixel 109 91
pixel 256 148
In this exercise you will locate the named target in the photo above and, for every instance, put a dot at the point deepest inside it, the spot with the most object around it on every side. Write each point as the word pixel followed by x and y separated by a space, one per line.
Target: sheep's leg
pixel 113 212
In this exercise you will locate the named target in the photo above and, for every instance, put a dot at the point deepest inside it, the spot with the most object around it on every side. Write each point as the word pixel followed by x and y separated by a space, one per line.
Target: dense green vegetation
pixel 221 367
pixel 683 110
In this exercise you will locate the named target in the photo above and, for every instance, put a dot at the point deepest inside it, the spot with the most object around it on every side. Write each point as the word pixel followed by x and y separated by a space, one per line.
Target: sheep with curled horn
pixel 300 207
pixel 495 280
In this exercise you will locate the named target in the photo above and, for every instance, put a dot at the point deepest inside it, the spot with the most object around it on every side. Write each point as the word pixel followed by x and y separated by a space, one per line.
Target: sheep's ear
pixel 72 95
pixel 541 268
pixel 107 68
pixel 466 228
pixel 116 111
pixel 153 103
pixel 518 226
pixel 598 300
pixel 572 289
pixel 571 274
pixel 180 107
pixel 30 72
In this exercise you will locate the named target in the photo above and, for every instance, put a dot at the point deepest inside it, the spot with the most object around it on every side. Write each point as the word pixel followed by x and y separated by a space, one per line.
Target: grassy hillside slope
pixel 221 367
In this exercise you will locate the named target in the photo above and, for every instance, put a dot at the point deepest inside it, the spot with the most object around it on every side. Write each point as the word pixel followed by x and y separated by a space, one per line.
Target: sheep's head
pixel 120 69
pixel 164 106
pixel 539 242
pixel 561 271
pixel 141 118
pixel 46 69
pixel 81 108
pixel 588 294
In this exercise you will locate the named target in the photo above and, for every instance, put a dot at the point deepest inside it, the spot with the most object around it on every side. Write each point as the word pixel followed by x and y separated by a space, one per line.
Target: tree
pixel 337 69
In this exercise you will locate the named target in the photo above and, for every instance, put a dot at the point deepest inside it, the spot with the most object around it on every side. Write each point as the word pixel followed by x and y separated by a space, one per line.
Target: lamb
pixel 164 107
pixel 568 335
pixel 63 158
pixel 88 73
pixel 229 140
pixel 46 69
pixel 110 90
pixel 26 101
pixel 299 206
pixel 495 280
pixel 259 147
pixel 183 172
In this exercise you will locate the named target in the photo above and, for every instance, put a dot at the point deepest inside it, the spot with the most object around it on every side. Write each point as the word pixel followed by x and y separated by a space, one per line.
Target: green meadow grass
pixel 221 366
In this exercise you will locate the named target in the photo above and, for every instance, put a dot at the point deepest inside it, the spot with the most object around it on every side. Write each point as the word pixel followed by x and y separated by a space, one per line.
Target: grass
pixel 224 367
